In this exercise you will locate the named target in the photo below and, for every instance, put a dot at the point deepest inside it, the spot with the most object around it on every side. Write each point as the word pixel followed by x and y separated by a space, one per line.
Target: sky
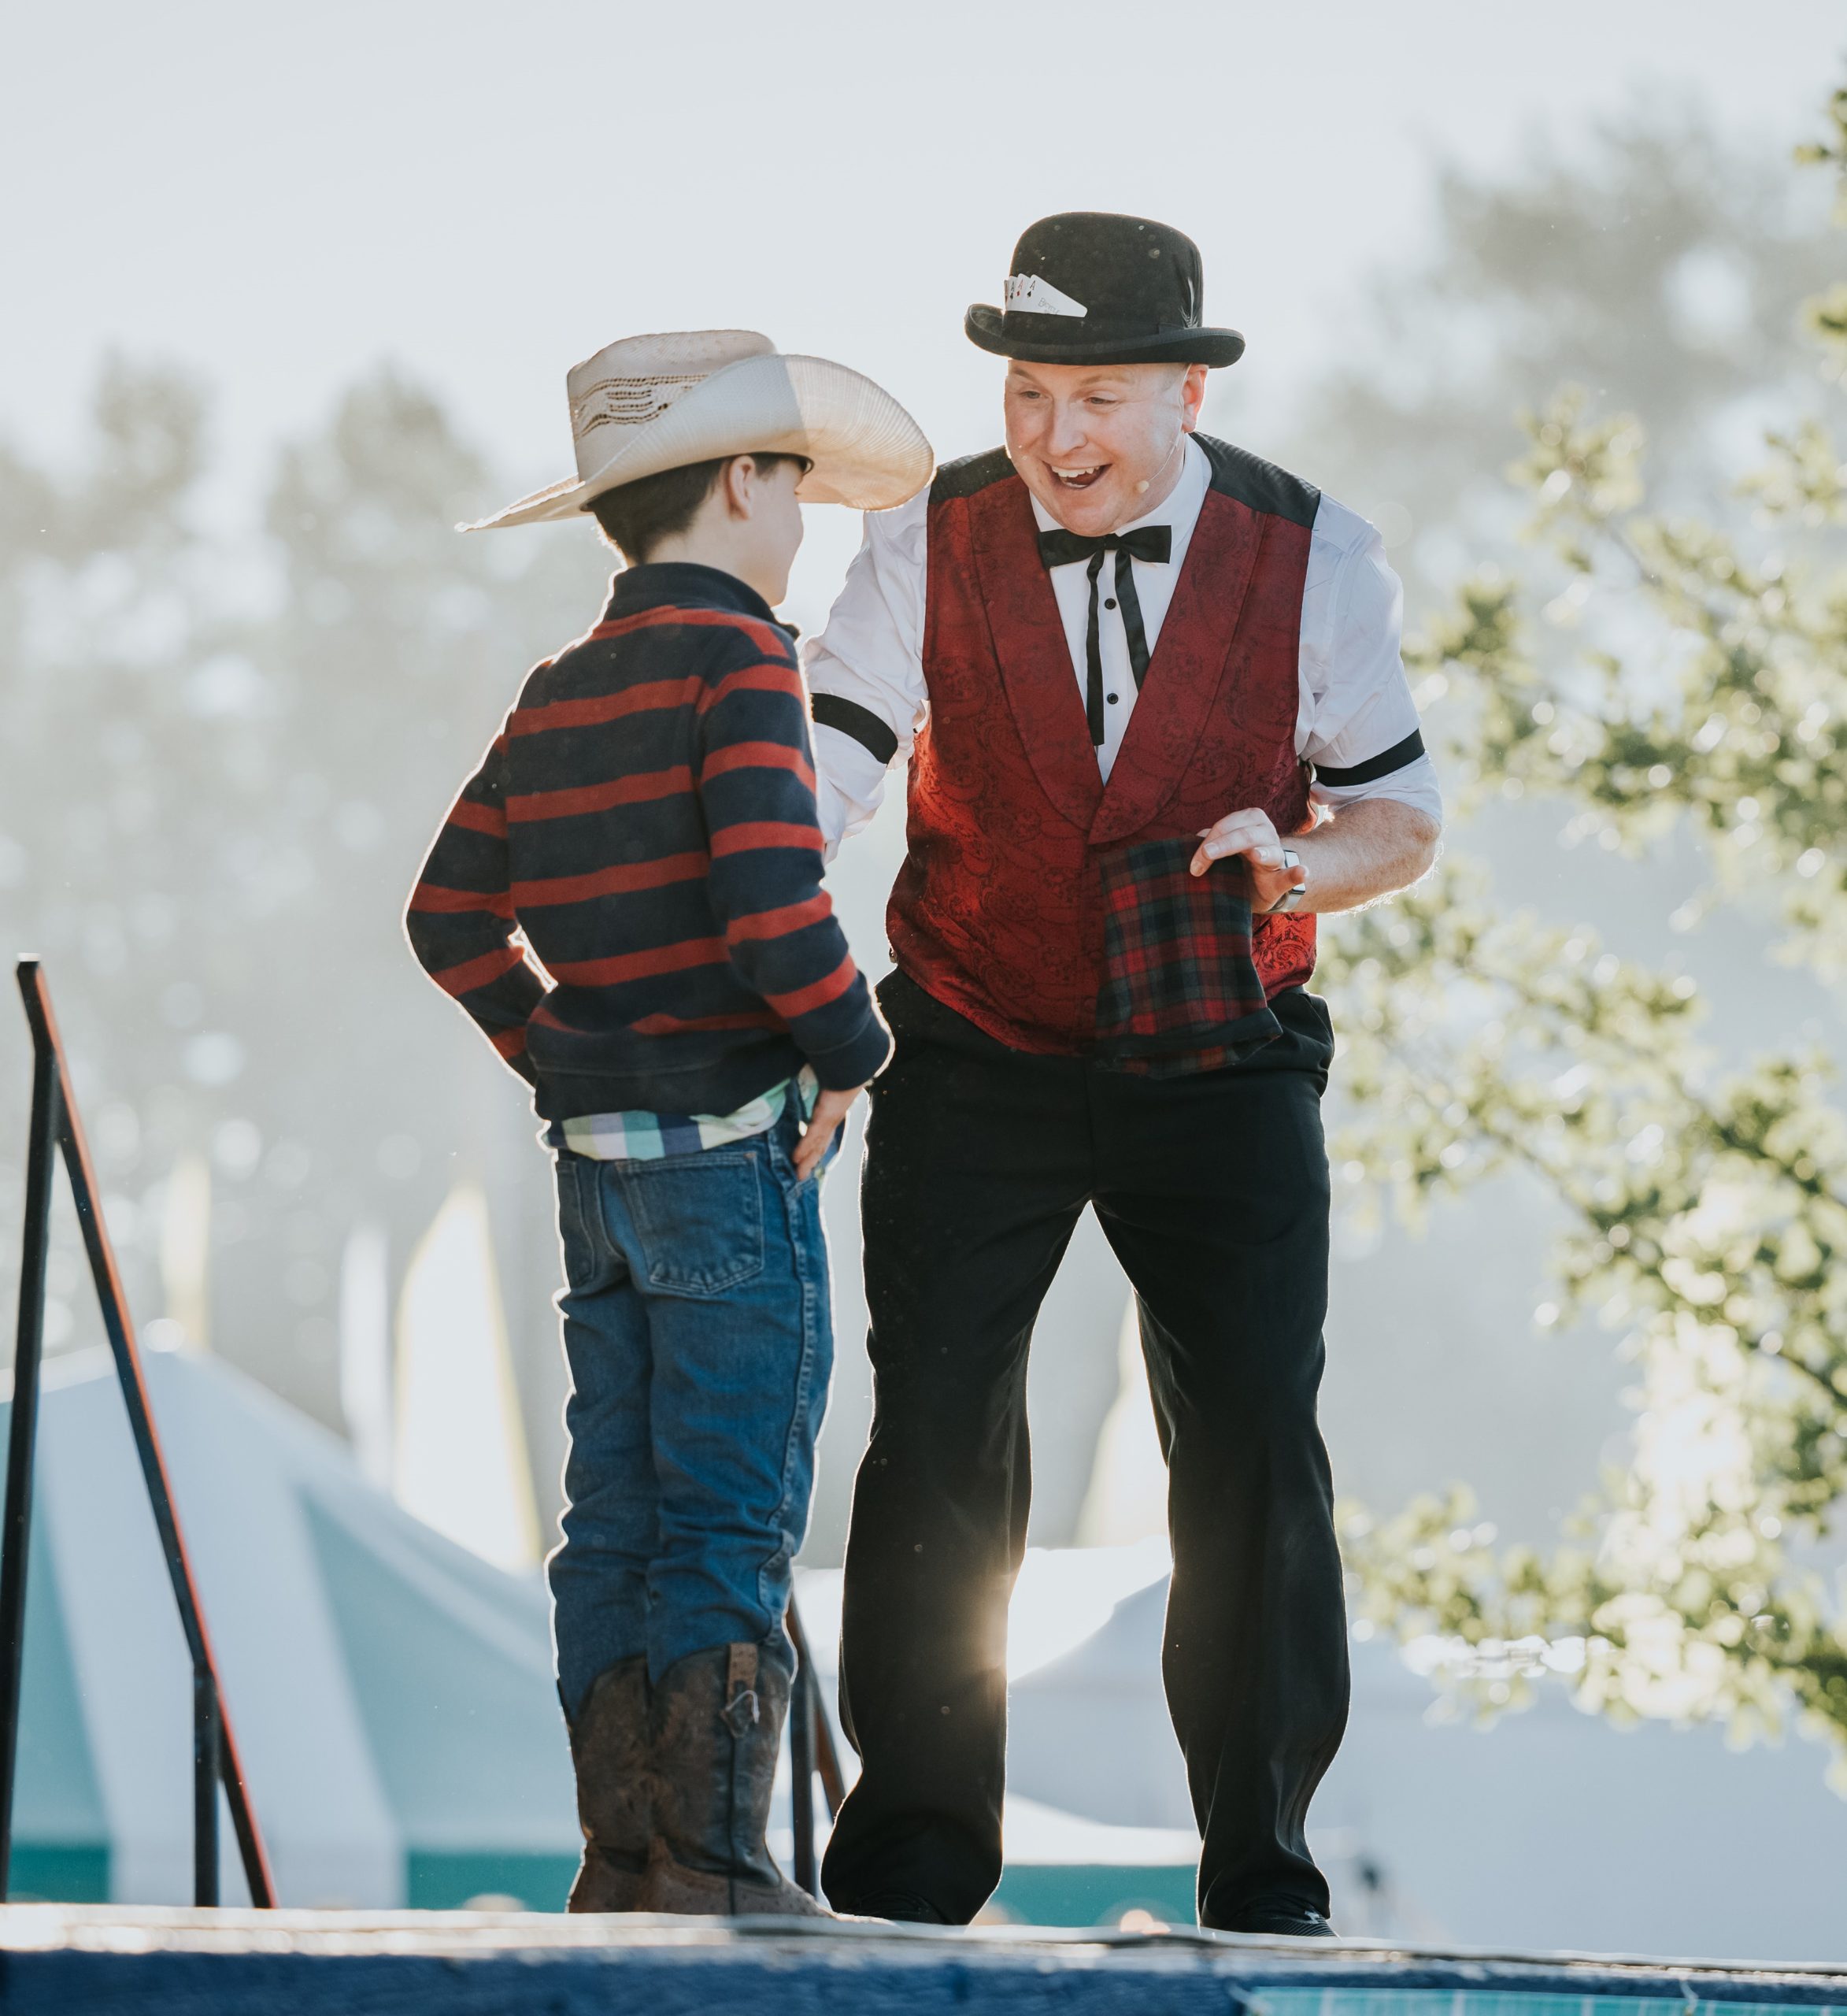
pixel 281 197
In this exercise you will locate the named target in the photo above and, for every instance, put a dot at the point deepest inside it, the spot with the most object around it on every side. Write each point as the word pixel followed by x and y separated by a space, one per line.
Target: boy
pixel 646 821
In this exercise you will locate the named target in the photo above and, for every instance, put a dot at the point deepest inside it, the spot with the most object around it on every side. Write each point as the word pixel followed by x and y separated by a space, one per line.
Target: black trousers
pixel 1213 1190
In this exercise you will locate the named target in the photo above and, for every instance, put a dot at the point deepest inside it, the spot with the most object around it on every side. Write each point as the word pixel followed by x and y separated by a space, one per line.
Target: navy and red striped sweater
pixel 646 820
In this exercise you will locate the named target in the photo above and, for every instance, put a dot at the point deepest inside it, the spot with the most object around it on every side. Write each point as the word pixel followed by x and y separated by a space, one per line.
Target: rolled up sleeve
pixel 865 671
pixel 1359 725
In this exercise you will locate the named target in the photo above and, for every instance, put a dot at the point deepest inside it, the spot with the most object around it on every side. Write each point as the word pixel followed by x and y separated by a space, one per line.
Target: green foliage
pixel 1831 149
pixel 1675 679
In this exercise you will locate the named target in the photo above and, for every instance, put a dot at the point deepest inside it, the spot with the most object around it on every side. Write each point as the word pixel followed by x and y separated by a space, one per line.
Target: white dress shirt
pixel 1355 704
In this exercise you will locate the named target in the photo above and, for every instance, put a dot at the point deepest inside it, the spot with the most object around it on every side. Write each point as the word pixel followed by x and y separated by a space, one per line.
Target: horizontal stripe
pixel 651 696
pixel 804 1000
pixel 749 835
pixel 1398 757
pixel 429 900
pixel 777 923
pixel 875 736
pixel 648 913
pixel 641 788
pixel 477 972
pixel 642 965
pixel 622 879
pixel 476 818
pixel 766 637
pixel 680 1026
pixel 753 679
pixel 757 756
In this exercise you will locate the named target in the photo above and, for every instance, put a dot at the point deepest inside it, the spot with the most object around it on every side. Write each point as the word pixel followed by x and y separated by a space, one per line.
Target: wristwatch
pixel 1291 898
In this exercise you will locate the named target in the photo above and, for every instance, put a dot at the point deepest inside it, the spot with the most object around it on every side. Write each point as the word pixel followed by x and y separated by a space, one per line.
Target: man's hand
pixel 1365 849
pixel 831 1109
pixel 1251 835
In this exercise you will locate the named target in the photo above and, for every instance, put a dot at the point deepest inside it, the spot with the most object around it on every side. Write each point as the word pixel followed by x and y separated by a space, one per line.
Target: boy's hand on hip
pixel 823 1123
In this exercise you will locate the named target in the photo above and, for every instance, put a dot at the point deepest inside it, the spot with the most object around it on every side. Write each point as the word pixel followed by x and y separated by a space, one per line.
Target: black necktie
pixel 1063 549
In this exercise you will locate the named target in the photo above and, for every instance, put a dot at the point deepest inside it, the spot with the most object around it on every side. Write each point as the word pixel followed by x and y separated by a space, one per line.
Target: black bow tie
pixel 1063 549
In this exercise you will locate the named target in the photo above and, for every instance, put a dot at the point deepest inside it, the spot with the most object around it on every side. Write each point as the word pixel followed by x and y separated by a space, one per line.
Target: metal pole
pixel 16 1522
pixel 801 1778
pixel 119 1329
pixel 827 1756
pixel 254 1856
pixel 205 1744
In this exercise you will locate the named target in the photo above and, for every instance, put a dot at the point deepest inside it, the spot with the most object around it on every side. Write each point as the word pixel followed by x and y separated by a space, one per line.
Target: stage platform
pixel 86 1960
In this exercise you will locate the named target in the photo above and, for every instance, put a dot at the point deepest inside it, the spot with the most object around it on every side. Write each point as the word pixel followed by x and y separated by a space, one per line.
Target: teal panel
pixel 1095 1893
pixel 445 1882
pixel 49 1874
pixel 467 1738
pixel 1359 2001
pixel 57 1803
pixel 1340 2001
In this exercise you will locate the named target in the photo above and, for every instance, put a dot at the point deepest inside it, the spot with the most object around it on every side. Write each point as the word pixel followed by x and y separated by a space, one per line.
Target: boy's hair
pixel 636 517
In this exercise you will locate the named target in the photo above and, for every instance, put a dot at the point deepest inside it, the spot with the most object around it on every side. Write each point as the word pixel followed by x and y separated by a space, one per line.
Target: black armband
pixel 864 726
pixel 1398 757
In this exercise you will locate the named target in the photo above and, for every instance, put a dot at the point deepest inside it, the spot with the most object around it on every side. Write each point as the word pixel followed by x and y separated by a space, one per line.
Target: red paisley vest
pixel 997 911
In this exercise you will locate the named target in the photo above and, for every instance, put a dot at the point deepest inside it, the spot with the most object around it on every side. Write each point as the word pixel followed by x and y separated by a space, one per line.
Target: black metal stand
pixel 802 1779
pixel 811 1752
pixel 17 1528
pixel 55 1121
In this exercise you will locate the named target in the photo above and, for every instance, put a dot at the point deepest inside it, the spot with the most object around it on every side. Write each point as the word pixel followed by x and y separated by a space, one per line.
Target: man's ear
pixel 1192 397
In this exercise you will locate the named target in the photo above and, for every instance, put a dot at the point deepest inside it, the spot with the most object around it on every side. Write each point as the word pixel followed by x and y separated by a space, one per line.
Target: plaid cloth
pixel 1179 993
pixel 651 1137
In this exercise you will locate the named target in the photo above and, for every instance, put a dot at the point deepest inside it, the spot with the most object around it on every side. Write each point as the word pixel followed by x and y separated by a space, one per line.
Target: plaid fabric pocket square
pixel 1179 992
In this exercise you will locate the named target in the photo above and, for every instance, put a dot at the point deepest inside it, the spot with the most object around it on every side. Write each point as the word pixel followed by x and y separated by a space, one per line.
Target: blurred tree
pixel 228 756
pixel 109 860
pixel 1684 676
pixel 394 651
pixel 1657 262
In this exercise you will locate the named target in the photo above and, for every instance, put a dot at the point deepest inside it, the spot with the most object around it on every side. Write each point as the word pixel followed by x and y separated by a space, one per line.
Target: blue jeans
pixel 700 1340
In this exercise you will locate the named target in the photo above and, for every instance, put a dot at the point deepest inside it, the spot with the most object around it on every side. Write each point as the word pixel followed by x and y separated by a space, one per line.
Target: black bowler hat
pixel 1090 288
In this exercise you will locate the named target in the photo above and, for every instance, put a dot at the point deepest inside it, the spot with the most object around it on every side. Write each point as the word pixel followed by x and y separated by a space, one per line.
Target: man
pixel 646 823
pixel 1128 666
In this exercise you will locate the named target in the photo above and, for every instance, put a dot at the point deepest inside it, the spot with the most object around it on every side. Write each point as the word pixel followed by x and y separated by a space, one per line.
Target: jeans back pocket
pixel 698 1220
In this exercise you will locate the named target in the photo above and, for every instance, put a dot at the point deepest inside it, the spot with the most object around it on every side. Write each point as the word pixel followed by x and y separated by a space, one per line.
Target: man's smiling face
pixel 1082 436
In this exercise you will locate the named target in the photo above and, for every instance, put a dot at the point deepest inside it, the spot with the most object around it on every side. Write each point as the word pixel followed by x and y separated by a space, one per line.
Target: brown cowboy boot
pixel 717 1725
pixel 609 1750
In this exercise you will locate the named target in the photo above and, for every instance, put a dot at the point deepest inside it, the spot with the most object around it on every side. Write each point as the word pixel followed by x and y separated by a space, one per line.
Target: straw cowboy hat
pixel 651 403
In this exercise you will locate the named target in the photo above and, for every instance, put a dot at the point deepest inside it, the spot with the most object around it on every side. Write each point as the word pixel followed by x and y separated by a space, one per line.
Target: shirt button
pixel 1109 602
pixel 1110 698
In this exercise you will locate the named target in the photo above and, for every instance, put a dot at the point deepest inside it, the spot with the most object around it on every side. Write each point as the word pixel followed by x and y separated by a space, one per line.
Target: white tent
pixel 394 1700
pixel 391 1694
pixel 1551 1829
